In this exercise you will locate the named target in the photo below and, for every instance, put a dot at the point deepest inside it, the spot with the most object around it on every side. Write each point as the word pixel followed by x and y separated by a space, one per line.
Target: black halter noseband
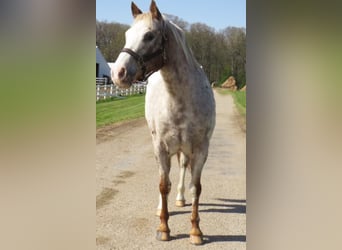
pixel 145 58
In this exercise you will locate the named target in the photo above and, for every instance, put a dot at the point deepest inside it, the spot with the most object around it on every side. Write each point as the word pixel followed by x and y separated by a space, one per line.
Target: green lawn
pixel 132 107
pixel 119 109
pixel 239 98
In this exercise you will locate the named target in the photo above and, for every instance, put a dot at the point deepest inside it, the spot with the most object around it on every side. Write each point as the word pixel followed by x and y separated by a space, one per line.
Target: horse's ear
pixel 135 10
pixel 154 11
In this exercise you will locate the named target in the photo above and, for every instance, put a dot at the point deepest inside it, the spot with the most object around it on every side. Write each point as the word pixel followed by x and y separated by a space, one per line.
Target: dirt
pixel 127 182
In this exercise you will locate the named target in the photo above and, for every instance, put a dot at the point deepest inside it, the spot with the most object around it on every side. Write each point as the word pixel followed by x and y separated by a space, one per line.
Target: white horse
pixel 179 109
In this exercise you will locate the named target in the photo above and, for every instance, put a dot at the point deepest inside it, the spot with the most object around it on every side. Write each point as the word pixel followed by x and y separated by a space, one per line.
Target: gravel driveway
pixel 127 188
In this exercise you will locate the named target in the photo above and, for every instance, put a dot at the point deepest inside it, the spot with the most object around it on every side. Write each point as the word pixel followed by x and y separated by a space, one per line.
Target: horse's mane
pixel 179 36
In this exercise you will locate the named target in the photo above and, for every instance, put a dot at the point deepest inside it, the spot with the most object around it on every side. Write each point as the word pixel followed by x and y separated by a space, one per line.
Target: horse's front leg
pixel 163 159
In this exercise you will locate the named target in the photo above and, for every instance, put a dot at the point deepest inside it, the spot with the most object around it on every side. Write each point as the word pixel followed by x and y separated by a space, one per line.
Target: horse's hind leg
pixel 163 232
pixel 183 163
pixel 195 189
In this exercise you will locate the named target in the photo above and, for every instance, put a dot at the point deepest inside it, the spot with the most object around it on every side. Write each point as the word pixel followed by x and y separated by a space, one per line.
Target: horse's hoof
pixel 196 239
pixel 158 212
pixel 163 236
pixel 180 203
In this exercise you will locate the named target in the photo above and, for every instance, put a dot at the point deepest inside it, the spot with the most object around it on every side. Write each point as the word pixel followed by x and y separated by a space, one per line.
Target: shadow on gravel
pixel 214 238
pixel 172 213
pixel 222 206
pixel 225 206
pixel 179 236
pixel 224 238
pixel 231 200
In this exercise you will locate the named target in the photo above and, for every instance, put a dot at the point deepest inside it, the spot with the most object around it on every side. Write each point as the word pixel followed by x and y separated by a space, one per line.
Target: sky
pixel 218 14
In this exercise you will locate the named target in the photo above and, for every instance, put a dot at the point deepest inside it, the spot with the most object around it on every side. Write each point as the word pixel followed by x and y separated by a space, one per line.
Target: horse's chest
pixel 176 134
pixel 174 139
pixel 175 122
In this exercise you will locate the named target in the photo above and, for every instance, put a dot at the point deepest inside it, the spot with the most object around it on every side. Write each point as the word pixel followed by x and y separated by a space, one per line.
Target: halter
pixel 145 58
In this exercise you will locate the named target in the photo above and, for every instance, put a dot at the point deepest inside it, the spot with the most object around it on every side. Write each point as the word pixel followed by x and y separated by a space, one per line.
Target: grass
pixel 239 99
pixel 132 107
pixel 119 109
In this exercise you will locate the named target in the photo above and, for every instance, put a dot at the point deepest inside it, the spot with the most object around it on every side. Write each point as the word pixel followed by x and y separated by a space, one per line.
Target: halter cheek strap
pixel 145 58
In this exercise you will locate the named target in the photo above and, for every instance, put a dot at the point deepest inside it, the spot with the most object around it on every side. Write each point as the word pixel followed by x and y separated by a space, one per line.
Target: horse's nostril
pixel 122 73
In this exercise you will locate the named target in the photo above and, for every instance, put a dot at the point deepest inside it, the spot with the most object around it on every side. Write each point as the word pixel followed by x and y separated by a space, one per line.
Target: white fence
pixel 105 90
pixel 100 80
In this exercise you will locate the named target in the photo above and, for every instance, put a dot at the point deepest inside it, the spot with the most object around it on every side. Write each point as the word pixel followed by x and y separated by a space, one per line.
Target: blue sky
pixel 215 13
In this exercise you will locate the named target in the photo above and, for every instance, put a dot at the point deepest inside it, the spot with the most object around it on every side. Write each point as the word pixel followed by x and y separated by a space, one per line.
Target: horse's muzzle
pixel 121 77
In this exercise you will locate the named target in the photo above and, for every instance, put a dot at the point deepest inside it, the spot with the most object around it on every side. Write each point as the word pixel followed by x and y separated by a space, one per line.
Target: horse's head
pixel 144 51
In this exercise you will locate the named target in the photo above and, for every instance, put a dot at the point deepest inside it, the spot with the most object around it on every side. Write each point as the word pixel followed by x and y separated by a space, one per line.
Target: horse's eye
pixel 148 36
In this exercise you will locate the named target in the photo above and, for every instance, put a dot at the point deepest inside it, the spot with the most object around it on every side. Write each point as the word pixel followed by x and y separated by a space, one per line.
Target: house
pixel 102 67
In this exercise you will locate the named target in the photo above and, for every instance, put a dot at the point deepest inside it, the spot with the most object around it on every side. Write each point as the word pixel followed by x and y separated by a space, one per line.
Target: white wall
pixel 104 68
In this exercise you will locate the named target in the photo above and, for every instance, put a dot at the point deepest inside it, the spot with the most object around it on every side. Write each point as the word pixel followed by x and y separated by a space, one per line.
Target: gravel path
pixel 127 182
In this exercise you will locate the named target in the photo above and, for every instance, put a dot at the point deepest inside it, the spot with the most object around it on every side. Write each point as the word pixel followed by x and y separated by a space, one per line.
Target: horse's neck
pixel 176 72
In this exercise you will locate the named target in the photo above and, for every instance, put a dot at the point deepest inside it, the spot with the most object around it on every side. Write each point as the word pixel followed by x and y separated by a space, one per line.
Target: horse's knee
pixel 164 186
pixel 169 187
pixel 196 190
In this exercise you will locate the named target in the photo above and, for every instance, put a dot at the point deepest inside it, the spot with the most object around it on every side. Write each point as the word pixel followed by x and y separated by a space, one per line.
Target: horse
pixel 179 105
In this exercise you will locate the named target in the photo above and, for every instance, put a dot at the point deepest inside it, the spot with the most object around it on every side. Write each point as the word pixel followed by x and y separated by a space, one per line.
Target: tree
pixel 110 38
pixel 221 54
pixel 201 40
pixel 235 39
